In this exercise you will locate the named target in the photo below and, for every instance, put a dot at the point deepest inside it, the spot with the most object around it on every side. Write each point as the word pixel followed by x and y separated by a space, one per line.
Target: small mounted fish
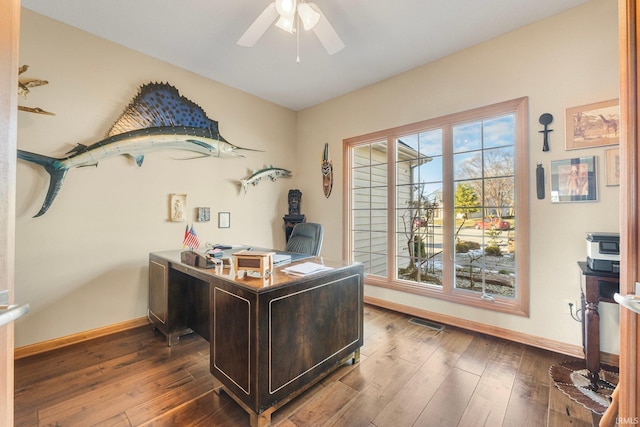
pixel 270 172
pixel 158 118
pixel 327 172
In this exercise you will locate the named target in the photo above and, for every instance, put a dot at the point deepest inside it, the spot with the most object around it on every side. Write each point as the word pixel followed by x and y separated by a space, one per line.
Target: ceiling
pixel 382 37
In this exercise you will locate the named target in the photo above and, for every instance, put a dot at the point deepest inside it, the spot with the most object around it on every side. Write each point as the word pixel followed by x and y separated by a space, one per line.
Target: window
pixel 440 207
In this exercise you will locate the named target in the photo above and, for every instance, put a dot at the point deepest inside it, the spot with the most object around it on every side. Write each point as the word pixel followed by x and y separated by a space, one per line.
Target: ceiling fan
pixel 309 14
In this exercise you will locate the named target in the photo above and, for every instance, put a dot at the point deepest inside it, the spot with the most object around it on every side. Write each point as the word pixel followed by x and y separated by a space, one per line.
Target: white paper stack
pixel 305 268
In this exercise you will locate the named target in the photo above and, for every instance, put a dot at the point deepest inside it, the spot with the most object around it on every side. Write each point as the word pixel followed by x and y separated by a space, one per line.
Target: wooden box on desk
pixel 260 262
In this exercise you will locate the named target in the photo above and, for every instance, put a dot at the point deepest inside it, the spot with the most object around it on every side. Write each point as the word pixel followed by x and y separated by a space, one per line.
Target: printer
pixel 603 252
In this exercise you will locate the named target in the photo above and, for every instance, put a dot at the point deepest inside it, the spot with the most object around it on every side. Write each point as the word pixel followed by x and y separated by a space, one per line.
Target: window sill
pixel 458 296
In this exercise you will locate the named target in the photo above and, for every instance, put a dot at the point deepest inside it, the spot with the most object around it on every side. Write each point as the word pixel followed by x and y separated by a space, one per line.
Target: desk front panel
pixel 158 290
pixel 315 324
pixel 267 345
pixel 233 338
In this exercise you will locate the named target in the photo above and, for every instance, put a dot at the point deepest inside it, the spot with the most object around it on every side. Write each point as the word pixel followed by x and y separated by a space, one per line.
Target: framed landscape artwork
pixel 592 125
pixel 574 180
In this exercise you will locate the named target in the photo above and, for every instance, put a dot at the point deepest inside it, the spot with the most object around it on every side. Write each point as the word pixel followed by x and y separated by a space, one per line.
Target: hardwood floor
pixel 408 375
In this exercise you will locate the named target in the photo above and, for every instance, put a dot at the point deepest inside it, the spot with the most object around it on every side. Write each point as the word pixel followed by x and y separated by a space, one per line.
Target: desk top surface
pixel 251 280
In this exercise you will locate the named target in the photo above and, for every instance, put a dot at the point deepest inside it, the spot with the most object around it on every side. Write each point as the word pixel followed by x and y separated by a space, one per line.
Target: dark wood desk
pixel 599 286
pixel 270 338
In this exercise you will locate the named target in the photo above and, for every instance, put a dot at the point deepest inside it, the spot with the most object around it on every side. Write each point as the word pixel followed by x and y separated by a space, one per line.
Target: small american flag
pixel 191 239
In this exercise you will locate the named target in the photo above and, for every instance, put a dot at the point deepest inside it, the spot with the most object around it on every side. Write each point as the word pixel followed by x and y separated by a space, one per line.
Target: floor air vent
pixel 432 325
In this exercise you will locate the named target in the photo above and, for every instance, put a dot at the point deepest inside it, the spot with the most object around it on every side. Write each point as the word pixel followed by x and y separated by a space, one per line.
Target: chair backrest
pixel 306 238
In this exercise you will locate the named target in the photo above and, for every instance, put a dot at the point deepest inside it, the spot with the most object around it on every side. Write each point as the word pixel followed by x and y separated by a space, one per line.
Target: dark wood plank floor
pixel 408 375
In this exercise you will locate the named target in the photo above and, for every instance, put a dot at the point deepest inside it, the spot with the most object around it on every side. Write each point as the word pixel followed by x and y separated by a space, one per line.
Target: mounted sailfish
pixel 158 118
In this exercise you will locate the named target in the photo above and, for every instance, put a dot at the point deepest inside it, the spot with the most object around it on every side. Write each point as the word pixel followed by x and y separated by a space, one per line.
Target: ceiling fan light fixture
pixel 286 23
pixel 284 12
pixel 286 7
pixel 308 16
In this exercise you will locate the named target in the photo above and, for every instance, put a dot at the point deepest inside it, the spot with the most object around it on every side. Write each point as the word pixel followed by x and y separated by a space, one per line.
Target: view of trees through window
pixel 419 191
pixel 484 179
pixel 483 230
pixel 447 193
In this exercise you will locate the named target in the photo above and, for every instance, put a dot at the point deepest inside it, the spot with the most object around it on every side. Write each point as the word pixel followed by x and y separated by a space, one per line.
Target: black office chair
pixel 306 238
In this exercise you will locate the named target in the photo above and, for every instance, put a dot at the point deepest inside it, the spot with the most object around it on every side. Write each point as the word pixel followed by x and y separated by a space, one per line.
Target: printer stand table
pixel 599 286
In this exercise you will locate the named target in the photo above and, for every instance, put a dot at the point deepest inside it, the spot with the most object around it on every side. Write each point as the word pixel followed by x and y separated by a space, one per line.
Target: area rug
pixel 572 379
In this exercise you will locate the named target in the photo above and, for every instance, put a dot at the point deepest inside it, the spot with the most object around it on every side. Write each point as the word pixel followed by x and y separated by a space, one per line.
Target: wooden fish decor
pixel 158 118
pixel 327 172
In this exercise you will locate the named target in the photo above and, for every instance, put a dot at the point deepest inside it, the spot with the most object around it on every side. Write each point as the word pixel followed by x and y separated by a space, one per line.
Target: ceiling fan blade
pixel 326 34
pixel 259 26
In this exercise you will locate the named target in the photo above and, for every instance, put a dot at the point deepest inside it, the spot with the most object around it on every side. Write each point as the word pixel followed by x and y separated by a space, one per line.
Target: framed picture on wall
pixel 592 125
pixel 574 180
pixel 224 219
pixel 177 207
pixel 612 166
pixel 203 214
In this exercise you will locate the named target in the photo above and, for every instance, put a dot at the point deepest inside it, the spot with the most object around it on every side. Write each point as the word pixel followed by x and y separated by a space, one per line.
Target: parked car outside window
pixel 489 223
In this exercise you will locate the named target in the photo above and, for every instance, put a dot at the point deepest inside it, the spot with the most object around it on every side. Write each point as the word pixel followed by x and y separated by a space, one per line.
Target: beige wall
pixel 564 61
pixel 83 264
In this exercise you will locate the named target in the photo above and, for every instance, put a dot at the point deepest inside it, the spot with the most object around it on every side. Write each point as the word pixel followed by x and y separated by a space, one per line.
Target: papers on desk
pixel 305 268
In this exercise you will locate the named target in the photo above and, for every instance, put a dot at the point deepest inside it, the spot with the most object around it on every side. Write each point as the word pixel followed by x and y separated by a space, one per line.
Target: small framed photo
pixel 593 125
pixel 177 207
pixel 574 180
pixel 224 219
pixel 203 214
pixel 612 166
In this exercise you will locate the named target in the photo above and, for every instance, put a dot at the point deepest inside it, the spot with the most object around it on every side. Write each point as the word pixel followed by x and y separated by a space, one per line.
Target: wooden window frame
pixel 516 306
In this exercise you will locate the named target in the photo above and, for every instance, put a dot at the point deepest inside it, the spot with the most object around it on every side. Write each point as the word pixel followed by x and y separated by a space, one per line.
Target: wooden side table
pixel 599 286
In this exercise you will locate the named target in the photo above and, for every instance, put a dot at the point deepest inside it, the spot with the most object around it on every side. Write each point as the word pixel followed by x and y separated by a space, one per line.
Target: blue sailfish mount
pixel 158 118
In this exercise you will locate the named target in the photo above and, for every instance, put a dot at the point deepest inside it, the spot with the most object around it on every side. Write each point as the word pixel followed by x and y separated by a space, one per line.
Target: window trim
pixel 516 306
